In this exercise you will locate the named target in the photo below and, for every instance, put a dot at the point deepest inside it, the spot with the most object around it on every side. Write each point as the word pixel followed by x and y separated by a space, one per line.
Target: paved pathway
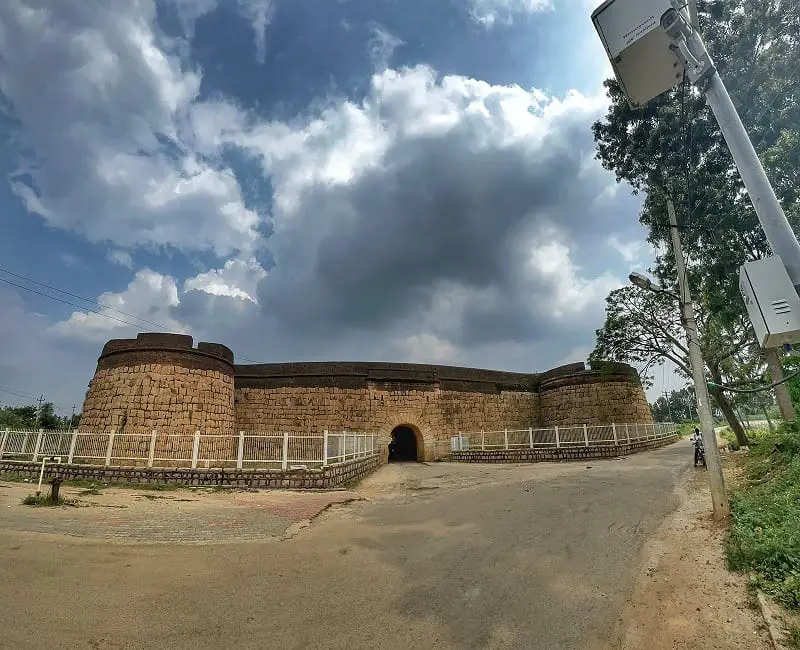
pixel 436 556
pixel 198 516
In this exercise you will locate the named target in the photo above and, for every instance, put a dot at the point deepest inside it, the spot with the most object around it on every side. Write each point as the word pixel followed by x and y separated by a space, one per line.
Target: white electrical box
pixel 637 47
pixel 772 302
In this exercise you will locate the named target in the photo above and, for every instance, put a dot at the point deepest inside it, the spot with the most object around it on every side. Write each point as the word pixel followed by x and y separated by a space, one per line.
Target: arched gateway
pixel 406 444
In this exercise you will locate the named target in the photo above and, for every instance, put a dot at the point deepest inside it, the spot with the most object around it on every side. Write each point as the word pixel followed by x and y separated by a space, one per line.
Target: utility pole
pixel 713 461
pixel 690 48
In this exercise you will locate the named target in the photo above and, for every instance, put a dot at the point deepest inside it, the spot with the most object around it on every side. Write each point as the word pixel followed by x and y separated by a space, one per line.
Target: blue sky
pixel 305 179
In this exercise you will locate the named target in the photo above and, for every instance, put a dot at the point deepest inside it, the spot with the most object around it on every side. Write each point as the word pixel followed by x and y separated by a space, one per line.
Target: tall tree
pixel 645 329
pixel 673 147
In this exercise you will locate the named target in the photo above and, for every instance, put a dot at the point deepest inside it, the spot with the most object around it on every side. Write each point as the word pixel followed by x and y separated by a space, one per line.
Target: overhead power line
pixel 31 397
pixel 159 326
pixel 79 297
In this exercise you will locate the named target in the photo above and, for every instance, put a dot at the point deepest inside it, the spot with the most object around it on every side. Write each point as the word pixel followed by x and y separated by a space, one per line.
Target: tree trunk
pixel 766 415
pixel 781 392
pixel 730 416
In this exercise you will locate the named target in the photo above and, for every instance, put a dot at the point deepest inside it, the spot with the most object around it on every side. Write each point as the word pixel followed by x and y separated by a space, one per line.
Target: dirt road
pixel 434 556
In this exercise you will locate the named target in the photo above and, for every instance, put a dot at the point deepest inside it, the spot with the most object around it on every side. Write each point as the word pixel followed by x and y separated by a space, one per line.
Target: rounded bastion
pixel 606 393
pixel 161 382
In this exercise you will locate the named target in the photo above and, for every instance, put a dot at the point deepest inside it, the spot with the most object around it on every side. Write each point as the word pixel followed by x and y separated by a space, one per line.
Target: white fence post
pixel 585 435
pixel 530 436
pixel 614 431
pixel 195 449
pixel 3 442
pixel 152 452
pixel 285 455
pixel 558 442
pixel 505 437
pixel 38 445
pixel 240 451
pixel 460 442
pixel 110 447
pixel 72 446
pixel 628 433
pixel 483 440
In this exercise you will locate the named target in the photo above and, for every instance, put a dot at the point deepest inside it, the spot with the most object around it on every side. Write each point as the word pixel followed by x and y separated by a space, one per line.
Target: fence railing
pixel 585 435
pixel 159 449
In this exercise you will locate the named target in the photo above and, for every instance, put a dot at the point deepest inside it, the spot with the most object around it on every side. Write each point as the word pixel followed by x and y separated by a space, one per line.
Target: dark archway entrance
pixel 403 446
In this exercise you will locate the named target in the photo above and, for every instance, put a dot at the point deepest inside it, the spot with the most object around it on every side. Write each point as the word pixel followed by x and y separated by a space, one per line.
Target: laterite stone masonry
pixel 161 382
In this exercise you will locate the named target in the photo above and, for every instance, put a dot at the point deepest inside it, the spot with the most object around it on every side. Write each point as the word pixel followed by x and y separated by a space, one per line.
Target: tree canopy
pixel 672 147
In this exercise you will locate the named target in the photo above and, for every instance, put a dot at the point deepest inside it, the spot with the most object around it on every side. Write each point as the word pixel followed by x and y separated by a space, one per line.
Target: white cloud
pixel 445 199
pixel 425 348
pixel 237 279
pixel 150 295
pixel 570 293
pixel 259 13
pixel 120 257
pixel 190 10
pixel 111 162
pixel 491 12
pixel 382 45
pixel 631 251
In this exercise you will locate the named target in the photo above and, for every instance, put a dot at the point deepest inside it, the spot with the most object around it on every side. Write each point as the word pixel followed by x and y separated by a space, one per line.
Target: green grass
pixel 764 536
pixel 42 500
pixel 793 637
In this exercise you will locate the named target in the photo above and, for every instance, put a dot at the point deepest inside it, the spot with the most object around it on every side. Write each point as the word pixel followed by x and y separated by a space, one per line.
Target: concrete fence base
pixel 554 455
pixel 297 479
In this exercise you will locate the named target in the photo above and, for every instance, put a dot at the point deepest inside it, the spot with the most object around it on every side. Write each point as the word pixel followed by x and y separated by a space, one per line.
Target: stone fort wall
pixel 160 381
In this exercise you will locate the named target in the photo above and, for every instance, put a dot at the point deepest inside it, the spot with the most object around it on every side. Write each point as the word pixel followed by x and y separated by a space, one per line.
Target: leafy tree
pixel 673 147
pixel 48 418
pixel 645 329
pixel 34 417
pixel 19 417
pixel 675 406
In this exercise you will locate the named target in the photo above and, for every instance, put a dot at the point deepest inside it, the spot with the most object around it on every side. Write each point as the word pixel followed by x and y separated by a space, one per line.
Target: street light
pixel 719 498
pixel 643 282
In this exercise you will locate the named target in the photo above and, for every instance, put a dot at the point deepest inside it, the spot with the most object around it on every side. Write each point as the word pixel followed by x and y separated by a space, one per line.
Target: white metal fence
pixel 160 449
pixel 586 435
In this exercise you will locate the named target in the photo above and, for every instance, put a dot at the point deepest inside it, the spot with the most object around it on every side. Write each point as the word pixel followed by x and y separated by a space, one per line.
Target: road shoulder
pixel 683 595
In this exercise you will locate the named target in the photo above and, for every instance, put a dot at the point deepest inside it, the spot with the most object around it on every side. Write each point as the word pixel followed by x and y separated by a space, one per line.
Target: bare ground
pixel 684 596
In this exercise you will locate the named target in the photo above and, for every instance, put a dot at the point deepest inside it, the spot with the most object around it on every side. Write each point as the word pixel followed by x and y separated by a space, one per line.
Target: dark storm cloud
pixel 464 205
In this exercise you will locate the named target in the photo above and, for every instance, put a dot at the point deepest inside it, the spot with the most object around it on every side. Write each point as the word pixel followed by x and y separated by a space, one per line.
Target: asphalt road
pixel 438 556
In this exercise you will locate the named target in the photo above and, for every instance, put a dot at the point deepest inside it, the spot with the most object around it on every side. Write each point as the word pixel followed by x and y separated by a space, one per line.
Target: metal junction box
pixel 772 302
pixel 639 50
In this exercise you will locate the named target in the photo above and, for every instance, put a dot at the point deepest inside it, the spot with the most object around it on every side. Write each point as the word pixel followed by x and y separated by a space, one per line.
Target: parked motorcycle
pixel 699 449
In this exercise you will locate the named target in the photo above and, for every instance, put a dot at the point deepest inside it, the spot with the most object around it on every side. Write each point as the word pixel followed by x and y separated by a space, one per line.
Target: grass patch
pixel 764 536
pixel 42 500
pixel 793 638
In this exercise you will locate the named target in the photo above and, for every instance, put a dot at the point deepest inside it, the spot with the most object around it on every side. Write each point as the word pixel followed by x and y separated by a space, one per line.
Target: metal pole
pixel 38 445
pixel 72 443
pixel 713 461
pixel 703 74
pixel 776 227
pixel 152 451
pixel 3 442
pixel 240 450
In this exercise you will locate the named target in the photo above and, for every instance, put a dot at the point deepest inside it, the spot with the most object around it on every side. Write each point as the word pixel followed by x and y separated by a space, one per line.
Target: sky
pixel 386 180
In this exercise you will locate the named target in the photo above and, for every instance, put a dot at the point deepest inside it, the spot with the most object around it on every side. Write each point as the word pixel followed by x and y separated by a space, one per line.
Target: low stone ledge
pixel 539 455
pixel 294 479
